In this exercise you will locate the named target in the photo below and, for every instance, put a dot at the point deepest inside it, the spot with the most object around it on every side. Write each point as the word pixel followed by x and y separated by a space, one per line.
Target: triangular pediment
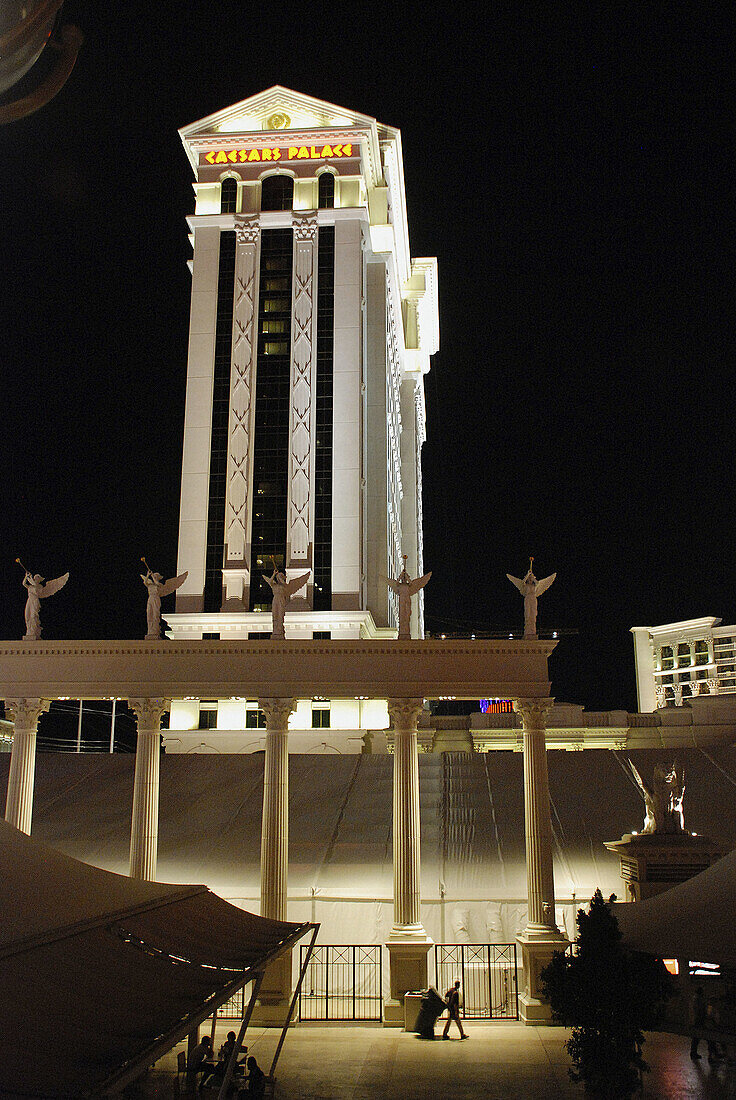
pixel 277 108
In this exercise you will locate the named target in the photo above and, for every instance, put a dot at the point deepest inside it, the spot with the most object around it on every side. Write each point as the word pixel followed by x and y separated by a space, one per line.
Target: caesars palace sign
pixel 290 152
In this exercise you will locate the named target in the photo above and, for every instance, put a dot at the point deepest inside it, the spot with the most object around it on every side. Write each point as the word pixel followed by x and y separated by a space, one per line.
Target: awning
pixel 100 972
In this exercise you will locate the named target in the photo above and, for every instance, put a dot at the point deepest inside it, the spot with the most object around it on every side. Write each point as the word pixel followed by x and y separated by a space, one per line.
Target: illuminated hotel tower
pixel 311 331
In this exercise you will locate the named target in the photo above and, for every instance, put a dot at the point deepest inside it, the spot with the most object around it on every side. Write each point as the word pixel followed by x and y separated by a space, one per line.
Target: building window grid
pixel 219 424
pixel 277 193
pixel 322 550
pixel 229 196
pixel 326 191
pixel 272 400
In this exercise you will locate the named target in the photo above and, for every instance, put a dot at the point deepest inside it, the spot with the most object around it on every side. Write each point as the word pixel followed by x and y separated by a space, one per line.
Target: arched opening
pixel 326 191
pixel 277 193
pixel 229 196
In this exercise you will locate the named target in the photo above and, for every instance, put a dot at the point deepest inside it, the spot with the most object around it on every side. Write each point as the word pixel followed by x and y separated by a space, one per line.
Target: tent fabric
pixel 694 920
pixel 95 967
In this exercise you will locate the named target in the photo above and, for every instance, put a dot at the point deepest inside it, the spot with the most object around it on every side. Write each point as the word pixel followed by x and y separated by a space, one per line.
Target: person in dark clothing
pixel 452 998
pixel 256 1079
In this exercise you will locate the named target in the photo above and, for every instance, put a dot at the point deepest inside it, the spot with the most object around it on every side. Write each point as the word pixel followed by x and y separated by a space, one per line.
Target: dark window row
pixel 322 550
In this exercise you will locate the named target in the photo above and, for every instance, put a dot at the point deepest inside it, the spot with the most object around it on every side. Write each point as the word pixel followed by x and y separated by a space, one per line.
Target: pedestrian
pixel 697 1021
pixel 452 998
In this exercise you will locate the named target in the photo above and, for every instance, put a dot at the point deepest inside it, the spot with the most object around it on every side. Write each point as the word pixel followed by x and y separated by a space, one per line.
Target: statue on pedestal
pixel 405 588
pixel 531 589
pixel 37 591
pixel 283 590
pixel 663 799
pixel 157 589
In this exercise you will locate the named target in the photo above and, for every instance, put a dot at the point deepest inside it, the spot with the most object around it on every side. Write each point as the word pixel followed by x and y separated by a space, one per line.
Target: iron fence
pixel 488 974
pixel 342 982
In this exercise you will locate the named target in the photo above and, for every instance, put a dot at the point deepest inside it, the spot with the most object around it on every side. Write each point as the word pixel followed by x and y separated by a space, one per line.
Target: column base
pixel 538 944
pixel 407 954
pixel 275 994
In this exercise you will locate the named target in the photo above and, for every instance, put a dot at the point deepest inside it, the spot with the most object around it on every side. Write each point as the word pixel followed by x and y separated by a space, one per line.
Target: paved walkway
pixel 504 1061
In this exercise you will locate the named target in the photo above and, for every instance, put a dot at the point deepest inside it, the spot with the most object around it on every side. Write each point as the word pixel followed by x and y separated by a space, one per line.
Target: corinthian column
pixel 275 822
pixel 275 992
pixel 541 937
pixel 408 944
pixel 144 824
pixel 19 802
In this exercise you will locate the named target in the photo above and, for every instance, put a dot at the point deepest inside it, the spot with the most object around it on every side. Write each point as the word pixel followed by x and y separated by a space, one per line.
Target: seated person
pixel 256 1079
pixel 200 1059
pixel 217 1073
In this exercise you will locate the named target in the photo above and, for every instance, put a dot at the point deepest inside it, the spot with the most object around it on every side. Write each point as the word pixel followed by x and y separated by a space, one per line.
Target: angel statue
pixel 405 588
pixel 531 589
pixel 283 590
pixel 37 591
pixel 157 589
pixel 663 800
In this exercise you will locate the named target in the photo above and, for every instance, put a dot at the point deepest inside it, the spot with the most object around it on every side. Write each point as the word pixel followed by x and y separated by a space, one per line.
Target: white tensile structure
pixel 680 661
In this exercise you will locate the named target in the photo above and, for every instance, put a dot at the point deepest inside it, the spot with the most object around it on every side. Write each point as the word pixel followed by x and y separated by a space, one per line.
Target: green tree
pixel 608 995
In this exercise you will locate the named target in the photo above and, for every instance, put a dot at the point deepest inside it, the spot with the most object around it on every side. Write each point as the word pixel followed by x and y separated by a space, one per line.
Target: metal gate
pixel 488 975
pixel 234 1009
pixel 342 982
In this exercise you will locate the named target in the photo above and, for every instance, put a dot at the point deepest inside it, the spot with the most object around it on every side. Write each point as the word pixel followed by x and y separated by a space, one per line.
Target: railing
pixel 488 976
pixel 343 982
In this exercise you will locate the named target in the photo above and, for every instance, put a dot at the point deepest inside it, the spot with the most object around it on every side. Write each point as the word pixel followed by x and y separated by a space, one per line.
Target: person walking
pixel 697 1020
pixel 452 998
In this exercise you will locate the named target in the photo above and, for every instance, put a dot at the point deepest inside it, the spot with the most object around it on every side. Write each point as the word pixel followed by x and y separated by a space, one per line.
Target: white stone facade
pixel 680 661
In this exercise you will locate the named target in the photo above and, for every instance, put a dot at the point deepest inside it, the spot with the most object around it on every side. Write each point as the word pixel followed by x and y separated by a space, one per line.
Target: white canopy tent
pixel 694 920
pixel 100 974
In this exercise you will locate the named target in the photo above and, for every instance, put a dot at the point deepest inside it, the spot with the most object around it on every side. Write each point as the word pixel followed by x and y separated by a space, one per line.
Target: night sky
pixel 574 176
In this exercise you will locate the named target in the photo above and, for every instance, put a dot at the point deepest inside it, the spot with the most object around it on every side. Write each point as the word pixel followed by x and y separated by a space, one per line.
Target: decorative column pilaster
pixel 275 992
pixel 236 572
pixel 144 823
pixel 408 943
pixel 303 368
pixel 19 801
pixel 541 937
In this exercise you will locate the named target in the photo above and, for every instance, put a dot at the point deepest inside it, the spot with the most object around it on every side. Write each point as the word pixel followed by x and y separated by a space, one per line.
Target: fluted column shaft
pixel 406 851
pixel 275 821
pixel 19 800
pixel 538 825
pixel 144 823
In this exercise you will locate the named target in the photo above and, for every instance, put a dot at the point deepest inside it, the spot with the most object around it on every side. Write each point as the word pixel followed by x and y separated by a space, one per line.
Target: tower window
pixel 320 718
pixel 277 193
pixel 229 196
pixel 208 715
pixel 326 191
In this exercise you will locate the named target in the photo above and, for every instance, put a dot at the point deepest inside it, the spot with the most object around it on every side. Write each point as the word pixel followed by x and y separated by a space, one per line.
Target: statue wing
pixel 518 582
pixel 53 586
pixel 645 790
pixel 172 584
pixel 417 583
pixel 295 585
pixel 393 585
pixel 542 586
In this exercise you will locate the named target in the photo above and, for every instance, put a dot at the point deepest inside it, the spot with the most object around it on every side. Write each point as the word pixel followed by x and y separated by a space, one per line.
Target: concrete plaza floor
pixel 502 1060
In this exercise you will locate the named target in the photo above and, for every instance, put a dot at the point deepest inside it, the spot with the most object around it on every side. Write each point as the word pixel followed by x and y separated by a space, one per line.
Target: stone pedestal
pixel 275 992
pixel 541 937
pixel 409 943
pixel 144 823
pixel 407 961
pixel 537 950
pixel 21 778
pixel 653 862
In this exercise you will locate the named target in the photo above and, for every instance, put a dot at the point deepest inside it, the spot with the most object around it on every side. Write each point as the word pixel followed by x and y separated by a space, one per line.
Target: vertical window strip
pixel 272 397
pixel 220 420
pixel 322 550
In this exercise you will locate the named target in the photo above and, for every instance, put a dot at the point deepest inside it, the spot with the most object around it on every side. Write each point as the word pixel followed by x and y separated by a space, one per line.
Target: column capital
pixel 305 225
pixel 277 712
pixel 533 712
pixel 26 712
pixel 404 713
pixel 247 228
pixel 148 712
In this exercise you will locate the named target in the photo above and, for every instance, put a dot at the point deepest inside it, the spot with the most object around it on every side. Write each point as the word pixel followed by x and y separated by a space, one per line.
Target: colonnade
pixel 408 944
